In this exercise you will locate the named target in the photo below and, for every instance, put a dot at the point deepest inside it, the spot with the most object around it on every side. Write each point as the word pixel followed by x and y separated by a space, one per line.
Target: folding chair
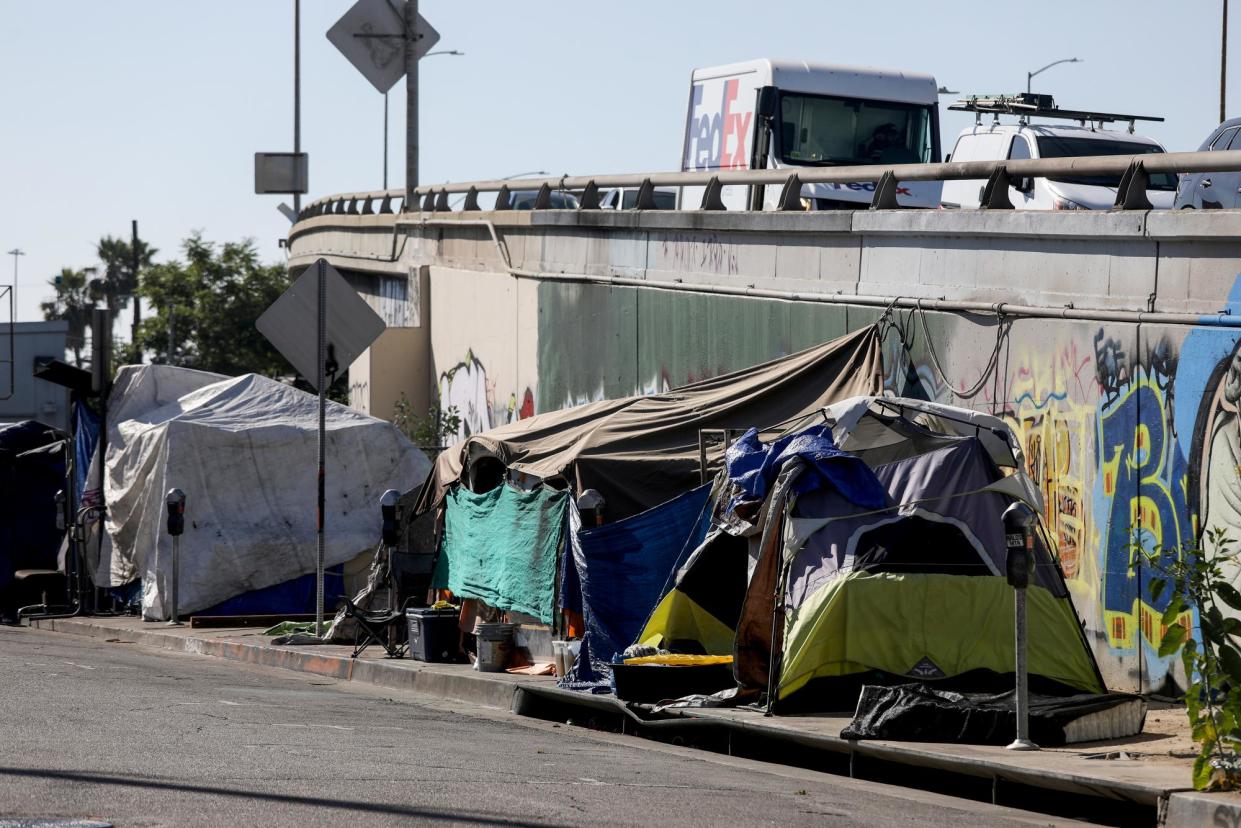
pixel 378 628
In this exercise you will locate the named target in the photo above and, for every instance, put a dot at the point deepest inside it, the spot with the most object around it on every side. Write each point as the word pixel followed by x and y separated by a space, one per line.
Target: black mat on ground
pixel 918 713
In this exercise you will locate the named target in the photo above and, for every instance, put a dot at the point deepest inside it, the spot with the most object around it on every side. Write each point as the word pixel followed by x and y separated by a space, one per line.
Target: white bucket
pixel 495 646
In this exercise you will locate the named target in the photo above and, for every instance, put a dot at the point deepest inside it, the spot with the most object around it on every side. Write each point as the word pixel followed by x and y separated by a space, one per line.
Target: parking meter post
pixel 175 501
pixel 1019 539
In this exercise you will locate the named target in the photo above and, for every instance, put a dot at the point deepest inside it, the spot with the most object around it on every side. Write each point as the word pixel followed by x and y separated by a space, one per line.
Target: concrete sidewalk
pixel 1151 769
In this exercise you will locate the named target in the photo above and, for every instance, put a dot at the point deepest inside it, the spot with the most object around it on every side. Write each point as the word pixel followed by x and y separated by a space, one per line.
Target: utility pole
pixel 1223 63
pixel 297 96
pixel 135 263
pixel 385 140
pixel 15 252
pixel 411 102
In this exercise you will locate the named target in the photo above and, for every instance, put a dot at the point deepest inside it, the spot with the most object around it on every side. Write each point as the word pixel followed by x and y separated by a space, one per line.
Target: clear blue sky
pixel 153 109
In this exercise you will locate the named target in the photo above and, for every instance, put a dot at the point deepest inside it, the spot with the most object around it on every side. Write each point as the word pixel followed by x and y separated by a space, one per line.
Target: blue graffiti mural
pixel 1139 502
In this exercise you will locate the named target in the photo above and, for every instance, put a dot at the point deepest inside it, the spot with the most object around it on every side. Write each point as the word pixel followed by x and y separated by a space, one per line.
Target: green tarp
pixel 501 547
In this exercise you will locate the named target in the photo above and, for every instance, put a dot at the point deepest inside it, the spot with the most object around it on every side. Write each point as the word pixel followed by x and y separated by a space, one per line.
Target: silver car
pixel 1213 190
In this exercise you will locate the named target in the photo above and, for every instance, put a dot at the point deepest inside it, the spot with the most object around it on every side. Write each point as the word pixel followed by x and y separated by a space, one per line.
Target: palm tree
pixel 117 256
pixel 73 303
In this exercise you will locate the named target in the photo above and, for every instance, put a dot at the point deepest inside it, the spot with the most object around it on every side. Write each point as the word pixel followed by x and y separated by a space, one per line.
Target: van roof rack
pixel 1026 105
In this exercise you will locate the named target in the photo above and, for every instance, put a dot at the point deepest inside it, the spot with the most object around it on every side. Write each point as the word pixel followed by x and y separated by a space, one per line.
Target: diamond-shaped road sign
pixel 291 322
pixel 372 36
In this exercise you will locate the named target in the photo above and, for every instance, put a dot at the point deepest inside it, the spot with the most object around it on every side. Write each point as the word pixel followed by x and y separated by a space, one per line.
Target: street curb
pixel 512 695
pixel 1192 809
pixel 476 689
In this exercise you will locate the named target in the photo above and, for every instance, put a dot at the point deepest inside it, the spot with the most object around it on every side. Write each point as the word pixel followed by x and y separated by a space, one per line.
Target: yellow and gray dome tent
pixel 911 589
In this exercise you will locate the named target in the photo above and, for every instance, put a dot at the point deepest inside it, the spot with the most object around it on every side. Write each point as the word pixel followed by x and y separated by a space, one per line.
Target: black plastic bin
pixel 433 634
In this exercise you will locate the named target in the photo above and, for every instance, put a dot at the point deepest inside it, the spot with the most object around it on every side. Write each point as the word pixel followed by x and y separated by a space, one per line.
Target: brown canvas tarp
pixel 641 451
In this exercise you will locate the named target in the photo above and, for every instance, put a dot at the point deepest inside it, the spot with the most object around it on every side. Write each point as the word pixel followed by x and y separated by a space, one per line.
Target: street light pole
pixel 1223 62
pixel 15 252
pixel 1030 75
pixel 427 55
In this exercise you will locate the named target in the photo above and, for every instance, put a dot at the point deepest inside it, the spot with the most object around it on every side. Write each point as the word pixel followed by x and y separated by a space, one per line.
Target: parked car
pixel 997 141
pixel 993 142
pixel 524 200
pixel 1213 190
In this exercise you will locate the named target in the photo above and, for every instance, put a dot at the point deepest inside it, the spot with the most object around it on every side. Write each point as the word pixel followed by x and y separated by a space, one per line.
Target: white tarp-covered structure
pixel 243 449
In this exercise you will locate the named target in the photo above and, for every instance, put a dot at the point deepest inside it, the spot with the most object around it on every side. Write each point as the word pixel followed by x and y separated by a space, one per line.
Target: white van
pixel 777 113
pixel 996 141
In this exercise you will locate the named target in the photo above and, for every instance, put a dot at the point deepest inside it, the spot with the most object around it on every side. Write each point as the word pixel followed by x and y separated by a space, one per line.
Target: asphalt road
pixel 142 737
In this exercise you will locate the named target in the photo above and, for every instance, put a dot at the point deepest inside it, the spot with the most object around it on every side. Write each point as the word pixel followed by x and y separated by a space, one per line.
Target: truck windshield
pixel 1058 146
pixel 815 129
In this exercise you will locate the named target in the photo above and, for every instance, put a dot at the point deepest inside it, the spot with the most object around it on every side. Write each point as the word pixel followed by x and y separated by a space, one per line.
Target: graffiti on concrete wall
pixel 1139 498
pixel 1208 396
pixel 467 387
pixel 1056 431
pixel 695 253
pixel 1096 421
pixel 1133 436
pixel 1219 470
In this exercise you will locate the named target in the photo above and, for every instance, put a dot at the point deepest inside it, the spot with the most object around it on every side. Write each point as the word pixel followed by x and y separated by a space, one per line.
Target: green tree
pixel 204 308
pixel 73 303
pixel 1199 586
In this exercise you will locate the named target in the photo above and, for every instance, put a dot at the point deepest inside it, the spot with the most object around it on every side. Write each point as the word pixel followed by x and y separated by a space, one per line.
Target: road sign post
pixel 385 44
pixel 343 327
pixel 321 364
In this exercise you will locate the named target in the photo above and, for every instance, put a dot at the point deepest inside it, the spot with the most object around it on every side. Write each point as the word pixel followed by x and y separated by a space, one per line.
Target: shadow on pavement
pixel 313 801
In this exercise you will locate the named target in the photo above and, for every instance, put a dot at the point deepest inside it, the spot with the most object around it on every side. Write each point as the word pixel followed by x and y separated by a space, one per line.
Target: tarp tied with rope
pixel 641 451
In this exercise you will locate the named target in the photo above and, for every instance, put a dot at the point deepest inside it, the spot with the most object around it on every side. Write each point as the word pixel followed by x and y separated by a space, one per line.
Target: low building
pixel 23 347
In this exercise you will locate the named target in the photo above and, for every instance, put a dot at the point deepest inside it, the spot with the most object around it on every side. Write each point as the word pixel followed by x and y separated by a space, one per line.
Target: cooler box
pixel 433 634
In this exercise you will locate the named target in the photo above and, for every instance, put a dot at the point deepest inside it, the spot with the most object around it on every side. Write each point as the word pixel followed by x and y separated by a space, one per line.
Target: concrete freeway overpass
pixel 1108 339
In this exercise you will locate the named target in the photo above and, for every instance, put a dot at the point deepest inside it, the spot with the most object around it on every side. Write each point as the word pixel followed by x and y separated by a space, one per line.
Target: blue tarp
pixel 295 597
pixel 753 466
pixel 617 574
pixel 85 436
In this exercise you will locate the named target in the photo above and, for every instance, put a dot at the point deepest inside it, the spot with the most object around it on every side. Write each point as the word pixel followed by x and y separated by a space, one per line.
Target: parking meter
pixel 1019 540
pixel 1019 520
pixel 176 511
pixel 387 507
pixel 175 501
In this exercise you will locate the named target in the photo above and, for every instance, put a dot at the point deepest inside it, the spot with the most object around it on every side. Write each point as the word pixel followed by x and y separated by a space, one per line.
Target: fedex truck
pixel 764 114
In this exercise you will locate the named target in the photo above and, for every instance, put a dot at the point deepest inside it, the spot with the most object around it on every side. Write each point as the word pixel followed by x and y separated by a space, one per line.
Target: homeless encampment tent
pixel 244 451
pixel 503 524
pixel 880 530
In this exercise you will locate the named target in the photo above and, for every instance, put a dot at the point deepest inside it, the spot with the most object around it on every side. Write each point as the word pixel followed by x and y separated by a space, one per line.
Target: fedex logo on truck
pixel 717 135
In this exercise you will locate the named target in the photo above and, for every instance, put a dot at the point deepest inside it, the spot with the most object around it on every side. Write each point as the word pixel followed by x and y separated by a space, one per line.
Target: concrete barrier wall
pixel 1131 428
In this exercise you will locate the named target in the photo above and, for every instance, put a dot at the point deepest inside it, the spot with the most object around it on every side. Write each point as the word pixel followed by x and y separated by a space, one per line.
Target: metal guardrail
pixel 1134 172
